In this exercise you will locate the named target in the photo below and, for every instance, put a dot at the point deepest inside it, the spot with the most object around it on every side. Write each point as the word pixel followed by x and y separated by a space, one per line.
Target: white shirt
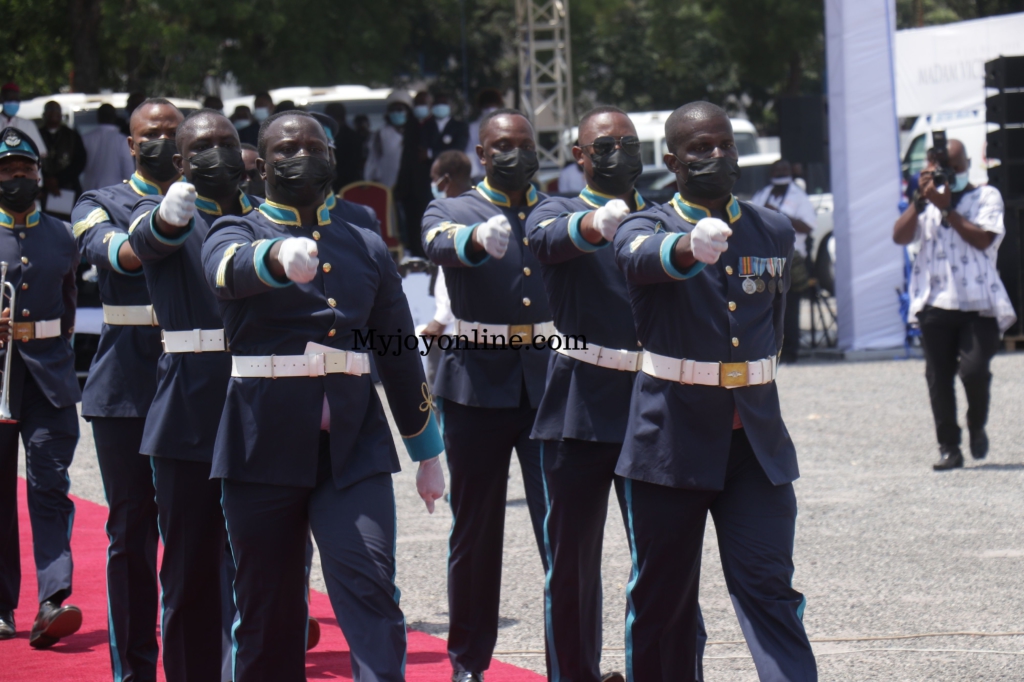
pixel 951 274
pixel 794 204
pixel 443 310
pixel 27 127
pixel 571 179
pixel 385 158
pixel 107 158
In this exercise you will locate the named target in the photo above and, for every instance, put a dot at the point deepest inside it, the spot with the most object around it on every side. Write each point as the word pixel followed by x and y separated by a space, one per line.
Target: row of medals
pixel 752 286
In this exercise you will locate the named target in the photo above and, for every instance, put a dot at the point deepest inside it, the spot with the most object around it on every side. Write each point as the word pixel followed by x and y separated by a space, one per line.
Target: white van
pixel 358 99
pixel 79 109
pixel 966 125
pixel 650 128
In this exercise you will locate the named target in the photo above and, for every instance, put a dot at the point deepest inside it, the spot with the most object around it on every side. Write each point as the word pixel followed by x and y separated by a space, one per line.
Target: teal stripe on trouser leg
pixel 556 674
pixel 630 610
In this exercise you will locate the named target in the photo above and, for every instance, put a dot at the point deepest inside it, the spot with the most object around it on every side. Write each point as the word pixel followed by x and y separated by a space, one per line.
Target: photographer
pixel 956 295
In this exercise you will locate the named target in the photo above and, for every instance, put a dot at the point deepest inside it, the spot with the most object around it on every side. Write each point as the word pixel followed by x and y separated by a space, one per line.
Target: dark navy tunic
pixel 122 378
pixel 509 290
pixel 270 429
pixel 588 296
pixel 679 435
pixel 42 259
pixel 183 421
pixel 353 213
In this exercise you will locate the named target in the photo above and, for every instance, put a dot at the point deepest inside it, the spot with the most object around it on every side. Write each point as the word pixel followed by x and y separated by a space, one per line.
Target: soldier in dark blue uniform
pixel 167 234
pixel 707 278
pixel 40 258
pixel 582 418
pixel 490 394
pixel 303 441
pixel 121 385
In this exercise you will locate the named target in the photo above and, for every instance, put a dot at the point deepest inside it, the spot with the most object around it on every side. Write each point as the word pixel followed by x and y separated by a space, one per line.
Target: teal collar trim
pixel 286 215
pixel 143 186
pixel 331 202
pixel 500 198
pixel 692 213
pixel 213 208
pixel 597 199
pixel 7 220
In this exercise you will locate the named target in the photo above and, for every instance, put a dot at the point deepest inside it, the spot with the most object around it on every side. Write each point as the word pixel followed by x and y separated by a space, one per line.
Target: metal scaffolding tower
pixel 545 75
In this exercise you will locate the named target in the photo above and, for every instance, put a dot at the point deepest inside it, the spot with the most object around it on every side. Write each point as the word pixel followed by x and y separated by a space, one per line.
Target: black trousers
pixel 355 531
pixel 479 443
pixel 957 342
pixel 132 597
pixel 50 435
pixel 755 522
pixel 192 528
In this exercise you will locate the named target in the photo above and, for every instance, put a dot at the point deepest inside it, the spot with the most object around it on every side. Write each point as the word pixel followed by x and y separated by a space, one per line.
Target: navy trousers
pixel 355 529
pixel 479 443
pixel 132 597
pixel 578 475
pixel 50 435
pixel 755 522
pixel 192 528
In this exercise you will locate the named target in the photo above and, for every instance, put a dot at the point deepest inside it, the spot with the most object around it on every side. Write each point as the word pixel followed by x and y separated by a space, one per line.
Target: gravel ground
pixel 885 547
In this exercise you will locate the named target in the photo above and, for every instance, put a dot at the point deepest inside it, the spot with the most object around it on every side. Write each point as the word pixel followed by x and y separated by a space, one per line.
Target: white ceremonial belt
pixel 27 331
pixel 486 330
pixel 725 374
pixel 309 365
pixel 622 360
pixel 194 341
pixel 130 315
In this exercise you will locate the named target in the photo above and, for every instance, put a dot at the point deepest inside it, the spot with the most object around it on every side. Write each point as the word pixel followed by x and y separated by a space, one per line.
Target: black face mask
pixel 18 194
pixel 616 172
pixel 711 178
pixel 156 158
pixel 511 171
pixel 301 180
pixel 217 172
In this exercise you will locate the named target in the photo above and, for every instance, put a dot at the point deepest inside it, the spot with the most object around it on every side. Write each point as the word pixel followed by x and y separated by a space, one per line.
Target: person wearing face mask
pixel 300 292
pixel 193 374
pixel 394 162
pixel 956 295
pixel 705 430
pixel 10 97
pixel 782 194
pixel 41 259
pixel 122 383
pixel 490 393
pixel 581 420
pixel 441 132
pixel 262 107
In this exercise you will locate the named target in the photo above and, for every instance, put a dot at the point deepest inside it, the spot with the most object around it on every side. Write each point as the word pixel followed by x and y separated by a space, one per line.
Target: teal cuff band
pixel 259 260
pixel 427 444
pixel 667 246
pixel 577 237
pixel 463 236
pixel 113 246
pixel 163 239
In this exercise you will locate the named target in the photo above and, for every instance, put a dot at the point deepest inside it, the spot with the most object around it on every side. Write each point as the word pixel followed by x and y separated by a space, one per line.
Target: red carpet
pixel 84 657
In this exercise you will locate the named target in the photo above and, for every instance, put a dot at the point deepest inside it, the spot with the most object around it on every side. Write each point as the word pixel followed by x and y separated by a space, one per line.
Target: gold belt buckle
pixel 732 374
pixel 524 331
pixel 23 331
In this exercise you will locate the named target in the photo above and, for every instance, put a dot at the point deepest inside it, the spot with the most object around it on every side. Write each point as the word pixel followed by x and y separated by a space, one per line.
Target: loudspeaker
pixel 803 128
pixel 1005 72
pixel 1009 261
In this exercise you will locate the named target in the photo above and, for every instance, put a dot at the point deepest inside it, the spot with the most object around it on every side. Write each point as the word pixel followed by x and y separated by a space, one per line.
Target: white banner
pixel 942 68
pixel 864 148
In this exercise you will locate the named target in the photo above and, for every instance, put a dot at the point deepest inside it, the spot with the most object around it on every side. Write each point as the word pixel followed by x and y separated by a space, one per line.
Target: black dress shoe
pixel 466 676
pixel 613 677
pixel 6 625
pixel 950 457
pixel 312 633
pixel 979 444
pixel 53 623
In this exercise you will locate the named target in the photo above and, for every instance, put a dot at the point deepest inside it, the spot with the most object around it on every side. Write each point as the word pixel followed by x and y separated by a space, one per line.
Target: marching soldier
pixel 582 417
pixel 303 441
pixel 121 385
pixel 708 277
pixel 167 235
pixel 490 394
pixel 40 259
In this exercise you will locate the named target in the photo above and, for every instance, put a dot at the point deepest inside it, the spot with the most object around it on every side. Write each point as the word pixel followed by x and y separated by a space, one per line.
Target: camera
pixel 942 175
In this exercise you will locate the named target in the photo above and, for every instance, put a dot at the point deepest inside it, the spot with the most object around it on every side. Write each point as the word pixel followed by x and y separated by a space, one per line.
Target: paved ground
pixel 885 547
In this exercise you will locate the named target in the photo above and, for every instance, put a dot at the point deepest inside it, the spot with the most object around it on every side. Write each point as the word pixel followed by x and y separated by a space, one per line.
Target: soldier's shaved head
pixel 679 125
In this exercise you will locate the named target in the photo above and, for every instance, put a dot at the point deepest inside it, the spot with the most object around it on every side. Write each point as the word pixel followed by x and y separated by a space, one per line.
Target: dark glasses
pixel 606 145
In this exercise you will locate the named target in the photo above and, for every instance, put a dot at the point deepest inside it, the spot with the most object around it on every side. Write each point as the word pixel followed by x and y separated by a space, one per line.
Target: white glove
pixel 493 235
pixel 608 218
pixel 179 205
pixel 298 258
pixel 430 482
pixel 708 239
